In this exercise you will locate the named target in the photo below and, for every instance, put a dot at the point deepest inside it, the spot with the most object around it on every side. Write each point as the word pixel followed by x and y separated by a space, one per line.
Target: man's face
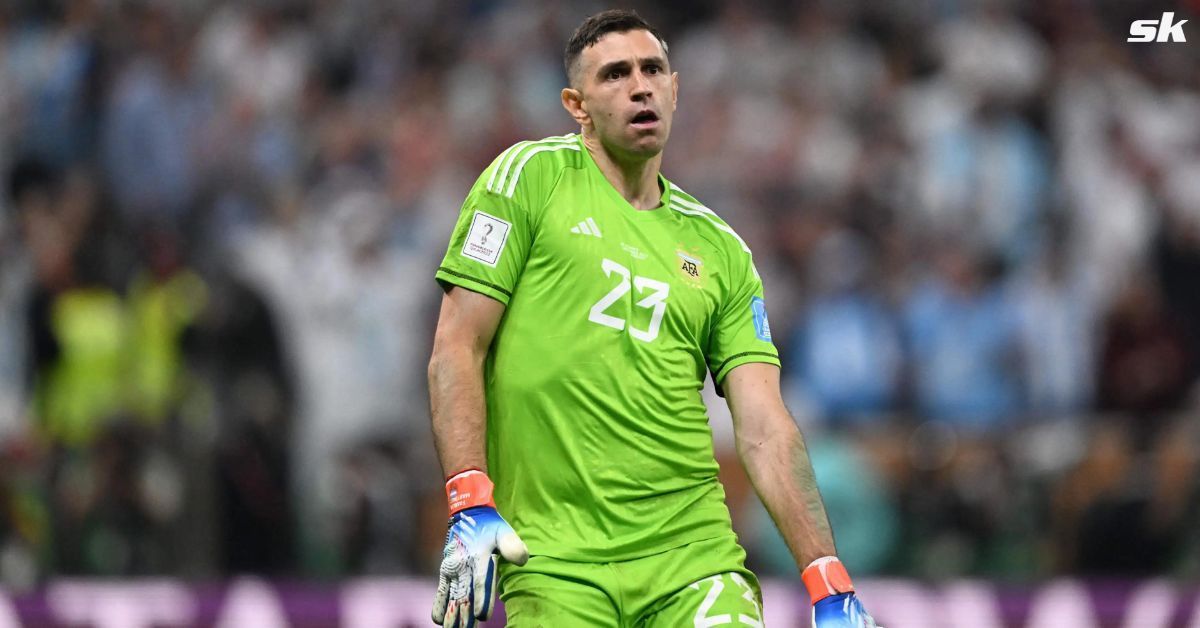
pixel 628 92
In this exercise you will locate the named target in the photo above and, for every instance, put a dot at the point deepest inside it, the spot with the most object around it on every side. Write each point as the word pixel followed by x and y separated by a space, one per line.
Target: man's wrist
pixel 826 576
pixel 467 489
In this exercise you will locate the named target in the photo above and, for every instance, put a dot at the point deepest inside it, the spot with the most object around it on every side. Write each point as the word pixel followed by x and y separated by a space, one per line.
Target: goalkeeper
pixel 586 299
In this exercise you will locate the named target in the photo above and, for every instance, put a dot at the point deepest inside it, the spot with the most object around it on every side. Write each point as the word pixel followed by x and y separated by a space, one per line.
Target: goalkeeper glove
pixel 834 603
pixel 467 578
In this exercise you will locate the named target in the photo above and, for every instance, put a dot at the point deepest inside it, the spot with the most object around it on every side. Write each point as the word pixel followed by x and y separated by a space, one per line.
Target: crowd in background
pixel 976 222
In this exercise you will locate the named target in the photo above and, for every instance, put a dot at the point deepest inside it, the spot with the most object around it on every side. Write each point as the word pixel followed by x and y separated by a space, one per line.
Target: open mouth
pixel 644 118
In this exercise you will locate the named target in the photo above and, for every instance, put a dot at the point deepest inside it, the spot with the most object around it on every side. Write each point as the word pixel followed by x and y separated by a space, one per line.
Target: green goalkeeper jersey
pixel 597 436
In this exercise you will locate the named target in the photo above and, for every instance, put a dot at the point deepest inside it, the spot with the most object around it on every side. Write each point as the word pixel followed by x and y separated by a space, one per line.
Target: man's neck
pixel 635 180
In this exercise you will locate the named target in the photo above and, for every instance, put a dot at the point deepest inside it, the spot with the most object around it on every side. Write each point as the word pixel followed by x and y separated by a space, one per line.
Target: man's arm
pixel 773 453
pixel 466 326
pixel 466 579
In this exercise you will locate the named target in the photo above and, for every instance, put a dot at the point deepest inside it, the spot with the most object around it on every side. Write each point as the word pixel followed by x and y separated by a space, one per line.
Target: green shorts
pixel 700 584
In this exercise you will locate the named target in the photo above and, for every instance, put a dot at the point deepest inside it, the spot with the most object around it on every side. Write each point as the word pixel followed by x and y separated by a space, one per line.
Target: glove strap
pixel 467 489
pixel 825 577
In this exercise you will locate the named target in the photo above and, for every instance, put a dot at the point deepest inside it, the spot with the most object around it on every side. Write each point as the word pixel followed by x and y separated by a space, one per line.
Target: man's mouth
pixel 645 118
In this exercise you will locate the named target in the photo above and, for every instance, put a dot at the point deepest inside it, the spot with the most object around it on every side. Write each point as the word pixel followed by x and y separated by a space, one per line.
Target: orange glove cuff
pixel 467 489
pixel 825 577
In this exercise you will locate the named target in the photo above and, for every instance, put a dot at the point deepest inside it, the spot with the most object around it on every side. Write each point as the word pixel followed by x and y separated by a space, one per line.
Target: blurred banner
pixel 399 602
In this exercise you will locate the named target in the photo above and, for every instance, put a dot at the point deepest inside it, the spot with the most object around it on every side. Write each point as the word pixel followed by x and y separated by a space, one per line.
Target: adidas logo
pixel 587 227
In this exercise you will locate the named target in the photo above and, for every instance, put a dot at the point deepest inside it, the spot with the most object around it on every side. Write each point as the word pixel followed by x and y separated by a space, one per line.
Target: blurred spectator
pixel 1058 306
pixel 151 127
pixel 961 329
pixel 1116 514
pixel 380 505
pixel 25 186
pixel 960 504
pixel 256 56
pixel 165 299
pixel 1146 365
pixel 237 350
pixel 75 320
pixel 115 503
pixel 988 51
pixel 54 62
pixel 846 352
pixel 1176 261
pixel 357 362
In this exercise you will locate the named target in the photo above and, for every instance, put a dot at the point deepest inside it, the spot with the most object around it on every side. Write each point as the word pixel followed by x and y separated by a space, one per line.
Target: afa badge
pixel 689 266
pixel 762 328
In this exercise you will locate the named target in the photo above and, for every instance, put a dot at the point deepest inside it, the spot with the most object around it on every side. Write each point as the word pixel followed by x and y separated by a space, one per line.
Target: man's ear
pixel 572 101
pixel 674 90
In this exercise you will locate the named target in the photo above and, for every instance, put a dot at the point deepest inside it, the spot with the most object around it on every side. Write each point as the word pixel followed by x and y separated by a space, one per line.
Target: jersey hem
pixel 583 555
pixel 474 284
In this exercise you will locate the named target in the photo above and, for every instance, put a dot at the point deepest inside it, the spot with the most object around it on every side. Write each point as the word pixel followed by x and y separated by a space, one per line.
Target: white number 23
pixel 655 301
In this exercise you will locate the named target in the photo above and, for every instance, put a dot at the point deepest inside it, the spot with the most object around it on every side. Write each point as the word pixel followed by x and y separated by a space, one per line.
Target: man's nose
pixel 641 88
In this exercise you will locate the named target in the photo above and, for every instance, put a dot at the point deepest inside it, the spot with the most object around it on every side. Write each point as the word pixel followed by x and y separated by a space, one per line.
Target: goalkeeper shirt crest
pixel 597 437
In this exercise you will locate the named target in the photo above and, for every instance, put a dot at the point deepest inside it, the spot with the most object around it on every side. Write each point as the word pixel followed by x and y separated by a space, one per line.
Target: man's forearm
pixel 458 409
pixel 782 474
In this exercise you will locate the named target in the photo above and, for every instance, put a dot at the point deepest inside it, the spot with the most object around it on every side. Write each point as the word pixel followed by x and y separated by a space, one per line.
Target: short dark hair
pixel 601 24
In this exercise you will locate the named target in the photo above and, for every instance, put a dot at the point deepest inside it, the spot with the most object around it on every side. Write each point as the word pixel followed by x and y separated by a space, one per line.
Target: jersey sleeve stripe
pixel 509 157
pixel 512 184
pixel 692 204
pixel 500 163
pixel 504 164
pixel 678 205
pixel 731 358
pixel 477 280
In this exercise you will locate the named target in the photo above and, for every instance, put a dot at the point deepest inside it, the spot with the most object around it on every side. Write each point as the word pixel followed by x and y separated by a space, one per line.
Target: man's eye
pixel 653 69
pixel 614 75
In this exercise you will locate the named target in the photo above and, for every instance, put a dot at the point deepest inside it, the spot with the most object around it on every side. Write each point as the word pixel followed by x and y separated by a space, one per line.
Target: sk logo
pixel 1164 29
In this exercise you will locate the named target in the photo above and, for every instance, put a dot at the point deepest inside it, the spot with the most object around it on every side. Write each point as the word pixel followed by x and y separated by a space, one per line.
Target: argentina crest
pixel 690 266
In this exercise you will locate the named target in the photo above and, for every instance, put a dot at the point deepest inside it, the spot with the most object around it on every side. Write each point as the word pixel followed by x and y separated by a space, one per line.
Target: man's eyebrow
pixel 612 65
pixel 624 63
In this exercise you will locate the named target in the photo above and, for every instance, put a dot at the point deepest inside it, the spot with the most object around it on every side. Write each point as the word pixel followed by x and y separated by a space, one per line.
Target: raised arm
pixel 773 452
pixel 465 328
